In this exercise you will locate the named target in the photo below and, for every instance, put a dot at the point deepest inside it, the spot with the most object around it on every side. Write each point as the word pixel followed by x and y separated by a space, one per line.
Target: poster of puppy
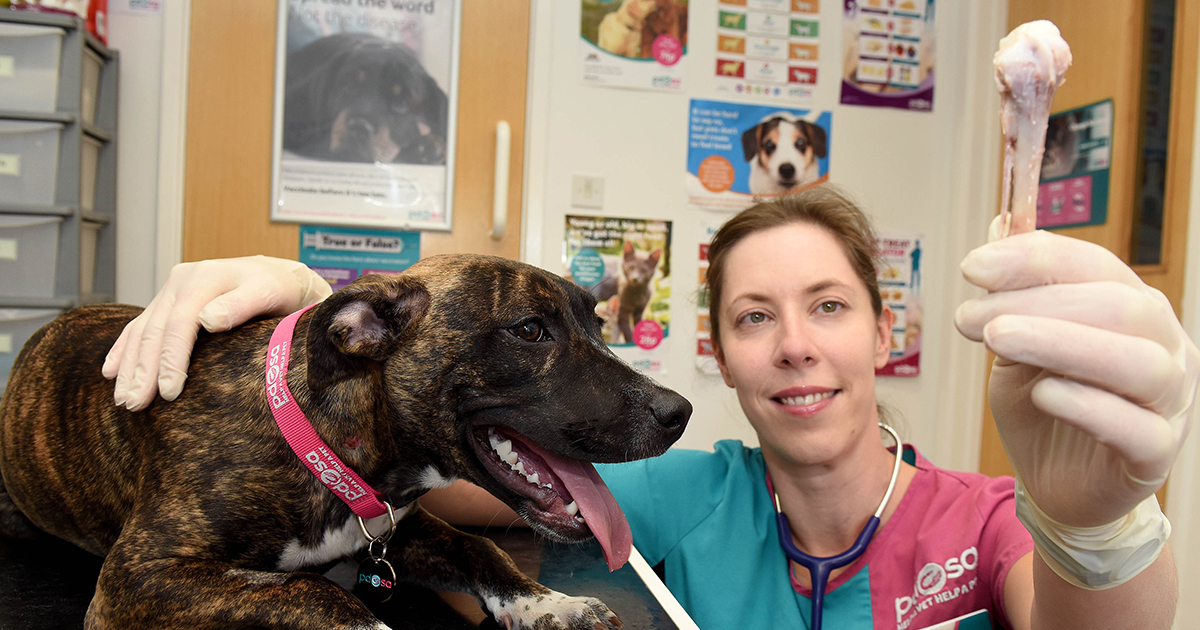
pixel 740 153
pixel 365 96
pixel 634 43
pixel 625 264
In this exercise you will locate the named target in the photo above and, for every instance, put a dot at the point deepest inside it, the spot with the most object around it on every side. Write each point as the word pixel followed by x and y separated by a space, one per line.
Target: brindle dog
pixel 204 514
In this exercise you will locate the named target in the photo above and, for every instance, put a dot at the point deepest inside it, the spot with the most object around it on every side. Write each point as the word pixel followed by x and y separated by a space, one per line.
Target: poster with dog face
pixel 889 53
pixel 899 278
pixel 625 264
pixel 634 43
pixel 365 97
pixel 740 153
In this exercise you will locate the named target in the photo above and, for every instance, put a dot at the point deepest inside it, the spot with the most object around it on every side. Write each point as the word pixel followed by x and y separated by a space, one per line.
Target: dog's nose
pixel 787 171
pixel 671 410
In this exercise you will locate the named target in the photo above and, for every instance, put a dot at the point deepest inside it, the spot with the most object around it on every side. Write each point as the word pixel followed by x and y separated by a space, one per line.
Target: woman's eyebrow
pixel 824 285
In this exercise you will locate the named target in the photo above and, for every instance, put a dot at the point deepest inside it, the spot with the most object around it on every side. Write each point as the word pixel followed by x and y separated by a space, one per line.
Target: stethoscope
pixel 820 568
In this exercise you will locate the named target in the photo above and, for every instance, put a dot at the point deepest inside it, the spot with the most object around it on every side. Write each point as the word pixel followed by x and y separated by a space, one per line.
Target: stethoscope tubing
pixel 820 568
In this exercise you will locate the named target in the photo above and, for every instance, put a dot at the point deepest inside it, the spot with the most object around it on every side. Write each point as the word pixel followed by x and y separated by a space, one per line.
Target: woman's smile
pixel 805 401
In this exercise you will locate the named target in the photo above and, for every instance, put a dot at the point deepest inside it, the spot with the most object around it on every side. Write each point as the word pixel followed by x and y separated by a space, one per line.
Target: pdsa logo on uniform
pixel 932 578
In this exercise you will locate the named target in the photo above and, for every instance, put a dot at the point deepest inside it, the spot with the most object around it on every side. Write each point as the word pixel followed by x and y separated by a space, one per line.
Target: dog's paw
pixel 554 611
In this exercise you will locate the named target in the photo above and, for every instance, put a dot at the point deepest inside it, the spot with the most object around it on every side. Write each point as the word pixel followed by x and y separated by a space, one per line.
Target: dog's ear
pixel 816 138
pixel 750 142
pixel 362 325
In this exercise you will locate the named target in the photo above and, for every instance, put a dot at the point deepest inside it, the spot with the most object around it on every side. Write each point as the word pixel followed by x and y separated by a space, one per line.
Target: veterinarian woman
pixel 1090 392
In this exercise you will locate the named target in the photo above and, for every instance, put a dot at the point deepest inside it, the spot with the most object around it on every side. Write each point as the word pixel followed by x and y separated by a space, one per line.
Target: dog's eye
pixel 769 145
pixel 802 145
pixel 531 330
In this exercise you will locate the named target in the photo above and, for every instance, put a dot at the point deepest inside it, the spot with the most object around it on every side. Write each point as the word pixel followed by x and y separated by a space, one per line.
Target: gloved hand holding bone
pixel 1094 376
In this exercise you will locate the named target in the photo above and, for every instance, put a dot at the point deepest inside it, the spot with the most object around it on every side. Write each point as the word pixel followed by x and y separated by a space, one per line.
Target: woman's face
pixel 800 342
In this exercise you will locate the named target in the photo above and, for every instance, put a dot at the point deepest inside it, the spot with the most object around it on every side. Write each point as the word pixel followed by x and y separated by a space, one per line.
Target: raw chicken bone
pixel 1029 68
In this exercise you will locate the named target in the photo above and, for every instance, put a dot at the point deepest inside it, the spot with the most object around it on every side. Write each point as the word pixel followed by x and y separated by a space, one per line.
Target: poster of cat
pixel 625 264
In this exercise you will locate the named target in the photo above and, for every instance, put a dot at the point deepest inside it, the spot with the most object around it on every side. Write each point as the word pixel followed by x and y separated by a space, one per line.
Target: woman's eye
pixel 531 330
pixel 755 318
pixel 830 307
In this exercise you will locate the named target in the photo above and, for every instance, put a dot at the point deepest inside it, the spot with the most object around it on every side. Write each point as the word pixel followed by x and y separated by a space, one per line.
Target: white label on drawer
pixel 10 164
pixel 6 343
pixel 7 66
pixel 8 249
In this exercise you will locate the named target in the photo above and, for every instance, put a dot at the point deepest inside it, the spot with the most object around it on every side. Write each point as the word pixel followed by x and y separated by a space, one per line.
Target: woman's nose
pixel 794 345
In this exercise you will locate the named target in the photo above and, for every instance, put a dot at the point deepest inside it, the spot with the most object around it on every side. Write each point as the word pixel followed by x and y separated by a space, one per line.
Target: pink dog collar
pixel 300 435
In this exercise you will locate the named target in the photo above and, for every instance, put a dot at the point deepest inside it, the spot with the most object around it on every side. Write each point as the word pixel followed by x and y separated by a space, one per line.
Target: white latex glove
pixel 1094 376
pixel 153 351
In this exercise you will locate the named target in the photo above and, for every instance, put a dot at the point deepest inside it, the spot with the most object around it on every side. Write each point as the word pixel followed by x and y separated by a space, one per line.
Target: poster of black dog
pixel 357 87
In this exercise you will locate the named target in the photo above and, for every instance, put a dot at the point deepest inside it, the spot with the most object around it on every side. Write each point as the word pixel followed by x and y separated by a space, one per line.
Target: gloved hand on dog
pixel 1094 377
pixel 153 351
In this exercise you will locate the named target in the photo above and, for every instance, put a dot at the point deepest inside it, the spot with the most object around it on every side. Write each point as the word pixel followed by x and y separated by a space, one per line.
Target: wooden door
pixel 227 186
pixel 1107 39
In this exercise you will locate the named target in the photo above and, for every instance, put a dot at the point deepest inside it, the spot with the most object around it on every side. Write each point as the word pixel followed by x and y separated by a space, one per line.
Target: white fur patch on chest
pixel 431 479
pixel 337 543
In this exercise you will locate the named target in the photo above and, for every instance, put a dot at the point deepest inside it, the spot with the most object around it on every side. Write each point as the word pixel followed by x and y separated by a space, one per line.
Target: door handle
pixel 500 184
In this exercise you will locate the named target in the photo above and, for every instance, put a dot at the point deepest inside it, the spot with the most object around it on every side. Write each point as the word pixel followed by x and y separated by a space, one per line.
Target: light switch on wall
pixel 587 191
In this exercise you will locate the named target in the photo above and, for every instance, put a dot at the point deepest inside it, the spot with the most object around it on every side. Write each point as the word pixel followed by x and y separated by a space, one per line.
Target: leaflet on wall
pixel 889 53
pixel 1073 184
pixel 768 49
pixel 634 43
pixel 899 277
pixel 625 263
pixel 739 153
pixel 706 361
pixel 365 99
pixel 341 254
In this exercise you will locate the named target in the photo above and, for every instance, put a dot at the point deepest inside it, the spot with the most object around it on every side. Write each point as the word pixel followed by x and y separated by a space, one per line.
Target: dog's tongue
pixel 597 505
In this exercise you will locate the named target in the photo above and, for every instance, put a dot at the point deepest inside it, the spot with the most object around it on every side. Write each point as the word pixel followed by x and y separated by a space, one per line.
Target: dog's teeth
pixel 533 479
pixel 579 519
pixel 511 457
pixel 572 509
pixel 520 467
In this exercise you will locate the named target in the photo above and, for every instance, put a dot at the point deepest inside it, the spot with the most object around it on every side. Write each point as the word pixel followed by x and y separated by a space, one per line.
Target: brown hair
pixel 824 206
